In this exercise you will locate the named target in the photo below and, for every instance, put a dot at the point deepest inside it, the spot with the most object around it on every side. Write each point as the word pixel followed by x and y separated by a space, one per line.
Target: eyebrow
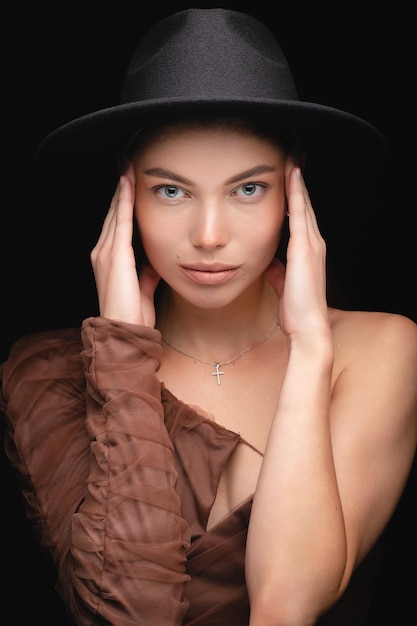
pixel 253 171
pixel 161 173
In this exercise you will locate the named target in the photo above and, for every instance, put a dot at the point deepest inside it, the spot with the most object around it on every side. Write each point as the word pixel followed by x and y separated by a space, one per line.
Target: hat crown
pixel 215 62
pixel 208 54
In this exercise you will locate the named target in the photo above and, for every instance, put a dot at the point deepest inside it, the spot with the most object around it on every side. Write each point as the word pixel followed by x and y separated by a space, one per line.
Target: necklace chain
pixel 217 364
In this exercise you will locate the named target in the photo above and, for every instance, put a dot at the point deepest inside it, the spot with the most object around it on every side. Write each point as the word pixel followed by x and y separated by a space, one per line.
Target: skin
pixel 330 399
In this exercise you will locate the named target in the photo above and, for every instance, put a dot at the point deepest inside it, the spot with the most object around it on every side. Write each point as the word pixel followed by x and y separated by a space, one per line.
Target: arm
pixel 101 479
pixel 132 477
pixel 133 469
pixel 314 515
pixel 97 472
pixel 129 539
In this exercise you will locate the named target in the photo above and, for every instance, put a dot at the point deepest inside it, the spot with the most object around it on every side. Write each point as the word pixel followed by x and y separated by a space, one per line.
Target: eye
pixel 249 189
pixel 172 192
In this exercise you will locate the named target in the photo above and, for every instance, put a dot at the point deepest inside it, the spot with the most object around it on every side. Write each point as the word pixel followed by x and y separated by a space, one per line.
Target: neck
pixel 218 334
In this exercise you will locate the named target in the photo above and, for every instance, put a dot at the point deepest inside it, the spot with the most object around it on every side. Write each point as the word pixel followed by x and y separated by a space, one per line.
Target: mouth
pixel 210 274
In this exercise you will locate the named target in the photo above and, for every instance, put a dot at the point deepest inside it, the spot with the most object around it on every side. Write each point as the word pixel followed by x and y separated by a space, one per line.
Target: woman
pixel 197 454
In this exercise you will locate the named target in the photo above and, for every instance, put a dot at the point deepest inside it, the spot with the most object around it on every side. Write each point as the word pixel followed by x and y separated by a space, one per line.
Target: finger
pixel 123 226
pixel 130 173
pixel 311 215
pixel 296 199
pixel 300 208
pixel 108 226
pixel 109 221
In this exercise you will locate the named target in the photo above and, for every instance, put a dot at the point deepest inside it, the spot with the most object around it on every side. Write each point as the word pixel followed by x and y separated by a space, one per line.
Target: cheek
pixel 157 242
pixel 146 234
pixel 145 220
pixel 152 241
pixel 271 222
pixel 264 239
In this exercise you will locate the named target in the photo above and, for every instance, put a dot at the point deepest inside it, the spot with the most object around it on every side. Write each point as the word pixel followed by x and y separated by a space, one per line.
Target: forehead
pixel 206 155
pixel 208 158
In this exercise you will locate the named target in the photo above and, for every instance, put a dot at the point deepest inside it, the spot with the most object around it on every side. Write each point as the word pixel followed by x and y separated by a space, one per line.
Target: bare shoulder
pixel 376 355
pixel 391 334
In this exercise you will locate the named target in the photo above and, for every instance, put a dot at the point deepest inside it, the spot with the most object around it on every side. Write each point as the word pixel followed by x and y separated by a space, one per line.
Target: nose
pixel 210 228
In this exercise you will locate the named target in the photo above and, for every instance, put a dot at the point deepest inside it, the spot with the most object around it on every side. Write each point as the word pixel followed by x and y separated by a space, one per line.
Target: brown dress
pixel 119 477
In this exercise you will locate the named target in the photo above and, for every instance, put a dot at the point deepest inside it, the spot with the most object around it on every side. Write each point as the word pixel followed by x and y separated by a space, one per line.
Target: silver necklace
pixel 217 365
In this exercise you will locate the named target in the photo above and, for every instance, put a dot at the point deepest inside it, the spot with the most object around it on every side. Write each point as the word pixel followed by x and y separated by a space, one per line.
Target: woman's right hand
pixel 122 295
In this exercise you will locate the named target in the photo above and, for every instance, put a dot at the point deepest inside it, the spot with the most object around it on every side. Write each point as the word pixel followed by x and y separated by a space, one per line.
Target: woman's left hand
pixel 301 287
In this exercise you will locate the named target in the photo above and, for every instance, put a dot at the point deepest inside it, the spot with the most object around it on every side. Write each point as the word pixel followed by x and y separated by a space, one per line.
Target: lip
pixel 210 274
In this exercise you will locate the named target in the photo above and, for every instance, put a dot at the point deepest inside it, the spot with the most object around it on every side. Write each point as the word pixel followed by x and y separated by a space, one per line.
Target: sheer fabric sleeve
pixel 103 492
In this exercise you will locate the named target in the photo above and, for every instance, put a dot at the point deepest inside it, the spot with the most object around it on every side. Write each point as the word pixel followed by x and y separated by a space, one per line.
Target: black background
pixel 67 61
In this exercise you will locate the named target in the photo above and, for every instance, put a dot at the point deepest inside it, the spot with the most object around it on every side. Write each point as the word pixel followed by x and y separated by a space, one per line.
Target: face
pixel 210 205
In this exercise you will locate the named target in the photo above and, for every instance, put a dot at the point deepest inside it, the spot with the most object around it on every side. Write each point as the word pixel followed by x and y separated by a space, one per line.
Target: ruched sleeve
pixel 88 441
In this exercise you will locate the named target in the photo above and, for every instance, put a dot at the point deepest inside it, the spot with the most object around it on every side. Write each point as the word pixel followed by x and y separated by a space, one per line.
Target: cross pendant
pixel 217 373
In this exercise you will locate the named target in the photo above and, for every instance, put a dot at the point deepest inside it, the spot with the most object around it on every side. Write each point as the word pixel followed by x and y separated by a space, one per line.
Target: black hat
pixel 215 61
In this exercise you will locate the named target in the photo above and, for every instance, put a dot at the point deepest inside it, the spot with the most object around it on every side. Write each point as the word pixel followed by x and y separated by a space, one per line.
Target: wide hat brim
pixel 215 61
